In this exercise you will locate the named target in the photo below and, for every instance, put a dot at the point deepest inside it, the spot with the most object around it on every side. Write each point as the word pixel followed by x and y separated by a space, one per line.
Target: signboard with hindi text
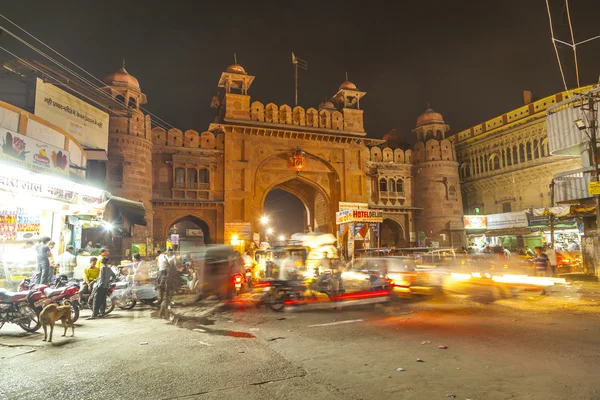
pixel 87 124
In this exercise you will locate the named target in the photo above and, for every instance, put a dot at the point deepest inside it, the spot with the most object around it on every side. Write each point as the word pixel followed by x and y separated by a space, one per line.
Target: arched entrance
pixel 187 233
pixel 287 214
pixel 298 205
pixel 392 234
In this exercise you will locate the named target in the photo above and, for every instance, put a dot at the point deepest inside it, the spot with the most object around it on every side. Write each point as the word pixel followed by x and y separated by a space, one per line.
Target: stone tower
pixel 437 184
pixel 235 101
pixel 348 101
pixel 129 164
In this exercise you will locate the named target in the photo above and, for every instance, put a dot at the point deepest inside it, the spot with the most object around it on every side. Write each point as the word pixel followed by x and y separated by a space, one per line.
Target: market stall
pixel 358 230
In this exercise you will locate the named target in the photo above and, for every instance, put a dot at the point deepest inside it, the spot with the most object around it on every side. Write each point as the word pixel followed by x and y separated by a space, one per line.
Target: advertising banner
pixel 32 154
pixel 367 216
pixel 341 217
pixel 475 221
pixel 516 219
pixel 87 124
pixel 194 232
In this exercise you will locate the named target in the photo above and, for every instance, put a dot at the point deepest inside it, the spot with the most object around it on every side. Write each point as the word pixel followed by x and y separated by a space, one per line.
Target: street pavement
pixel 537 348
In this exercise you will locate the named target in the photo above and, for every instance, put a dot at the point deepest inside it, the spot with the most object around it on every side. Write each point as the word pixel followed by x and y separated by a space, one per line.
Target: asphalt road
pixel 509 350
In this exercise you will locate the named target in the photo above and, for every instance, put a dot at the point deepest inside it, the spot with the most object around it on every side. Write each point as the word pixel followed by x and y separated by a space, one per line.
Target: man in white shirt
pixel 67 262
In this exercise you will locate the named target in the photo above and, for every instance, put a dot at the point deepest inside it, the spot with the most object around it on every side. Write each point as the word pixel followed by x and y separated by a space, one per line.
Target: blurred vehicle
pixel 398 274
pixel 214 269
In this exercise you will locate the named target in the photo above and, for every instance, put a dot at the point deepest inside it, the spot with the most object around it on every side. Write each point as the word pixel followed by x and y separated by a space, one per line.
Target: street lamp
pixel 269 231
pixel 264 220
pixel 281 238
pixel 580 124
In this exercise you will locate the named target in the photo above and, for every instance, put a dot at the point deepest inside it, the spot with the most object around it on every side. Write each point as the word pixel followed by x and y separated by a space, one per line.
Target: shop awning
pixel 96 155
pixel 134 211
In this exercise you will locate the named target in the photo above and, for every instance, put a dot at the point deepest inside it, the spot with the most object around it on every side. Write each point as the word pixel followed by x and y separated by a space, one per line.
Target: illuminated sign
pixel 475 221
pixel 367 216
pixel 345 216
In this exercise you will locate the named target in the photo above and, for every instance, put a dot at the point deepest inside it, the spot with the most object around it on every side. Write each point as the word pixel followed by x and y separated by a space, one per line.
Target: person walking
pixel 551 254
pixel 43 261
pixel 67 262
pixel 542 266
pixel 102 286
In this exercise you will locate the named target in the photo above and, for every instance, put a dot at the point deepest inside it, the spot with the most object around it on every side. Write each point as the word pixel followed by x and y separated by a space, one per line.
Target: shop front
pixel 34 205
pixel 358 230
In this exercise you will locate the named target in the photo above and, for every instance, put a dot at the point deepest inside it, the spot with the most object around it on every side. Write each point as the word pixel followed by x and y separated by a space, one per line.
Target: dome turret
pixel 121 77
pixel 430 117
pixel 236 69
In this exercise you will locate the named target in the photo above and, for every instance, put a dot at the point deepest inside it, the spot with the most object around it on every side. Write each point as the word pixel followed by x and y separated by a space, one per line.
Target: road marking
pixel 204 343
pixel 337 323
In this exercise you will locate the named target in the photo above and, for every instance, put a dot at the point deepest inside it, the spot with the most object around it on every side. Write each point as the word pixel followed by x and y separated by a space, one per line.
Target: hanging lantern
pixel 297 160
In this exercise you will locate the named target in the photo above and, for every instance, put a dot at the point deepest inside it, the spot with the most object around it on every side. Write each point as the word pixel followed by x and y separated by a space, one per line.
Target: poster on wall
pixel 243 230
pixel 87 124
pixel 32 154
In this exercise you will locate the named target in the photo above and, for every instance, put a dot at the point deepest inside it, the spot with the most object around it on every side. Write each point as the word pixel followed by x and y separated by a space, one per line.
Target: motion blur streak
pixel 530 280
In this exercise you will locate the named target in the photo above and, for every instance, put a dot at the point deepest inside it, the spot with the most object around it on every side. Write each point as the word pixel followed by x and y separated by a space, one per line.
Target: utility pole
pixel 552 215
pixel 594 155
pixel 298 63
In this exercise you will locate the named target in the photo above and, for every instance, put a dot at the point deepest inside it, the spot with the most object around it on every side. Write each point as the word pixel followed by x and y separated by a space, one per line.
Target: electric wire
pixel 76 65
pixel 574 46
pixel 555 47
pixel 159 122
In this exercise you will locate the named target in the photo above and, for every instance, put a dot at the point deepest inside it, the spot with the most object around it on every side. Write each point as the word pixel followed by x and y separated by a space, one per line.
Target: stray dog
pixel 52 313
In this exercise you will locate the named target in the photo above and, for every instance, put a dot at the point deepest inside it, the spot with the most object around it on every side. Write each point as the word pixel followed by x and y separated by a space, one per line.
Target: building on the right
pixel 572 128
pixel 506 172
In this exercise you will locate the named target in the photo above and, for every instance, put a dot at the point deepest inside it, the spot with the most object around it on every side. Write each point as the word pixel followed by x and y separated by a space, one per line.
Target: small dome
pixel 236 69
pixel 121 76
pixel 327 104
pixel 348 85
pixel 430 117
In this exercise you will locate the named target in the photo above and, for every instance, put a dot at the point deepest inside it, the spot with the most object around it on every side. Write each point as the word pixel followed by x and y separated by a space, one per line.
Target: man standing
pixel 101 255
pixel 67 262
pixel 43 261
pixel 102 286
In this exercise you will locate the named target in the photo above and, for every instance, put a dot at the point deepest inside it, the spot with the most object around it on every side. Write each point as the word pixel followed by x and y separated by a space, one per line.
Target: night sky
pixel 469 59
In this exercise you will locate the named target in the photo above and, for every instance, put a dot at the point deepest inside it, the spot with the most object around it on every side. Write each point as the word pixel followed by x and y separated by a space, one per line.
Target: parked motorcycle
pixel 68 295
pixel 128 295
pixel 17 308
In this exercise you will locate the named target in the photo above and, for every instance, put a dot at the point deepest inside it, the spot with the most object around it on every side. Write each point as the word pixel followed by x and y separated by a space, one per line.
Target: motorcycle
pixel 17 308
pixel 299 290
pixel 238 282
pixel 86 300
pixel 128 295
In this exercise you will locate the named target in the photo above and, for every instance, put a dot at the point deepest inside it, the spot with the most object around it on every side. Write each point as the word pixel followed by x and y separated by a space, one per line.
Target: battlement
pixel 433 150
pixel 326 118
pixel 190 139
